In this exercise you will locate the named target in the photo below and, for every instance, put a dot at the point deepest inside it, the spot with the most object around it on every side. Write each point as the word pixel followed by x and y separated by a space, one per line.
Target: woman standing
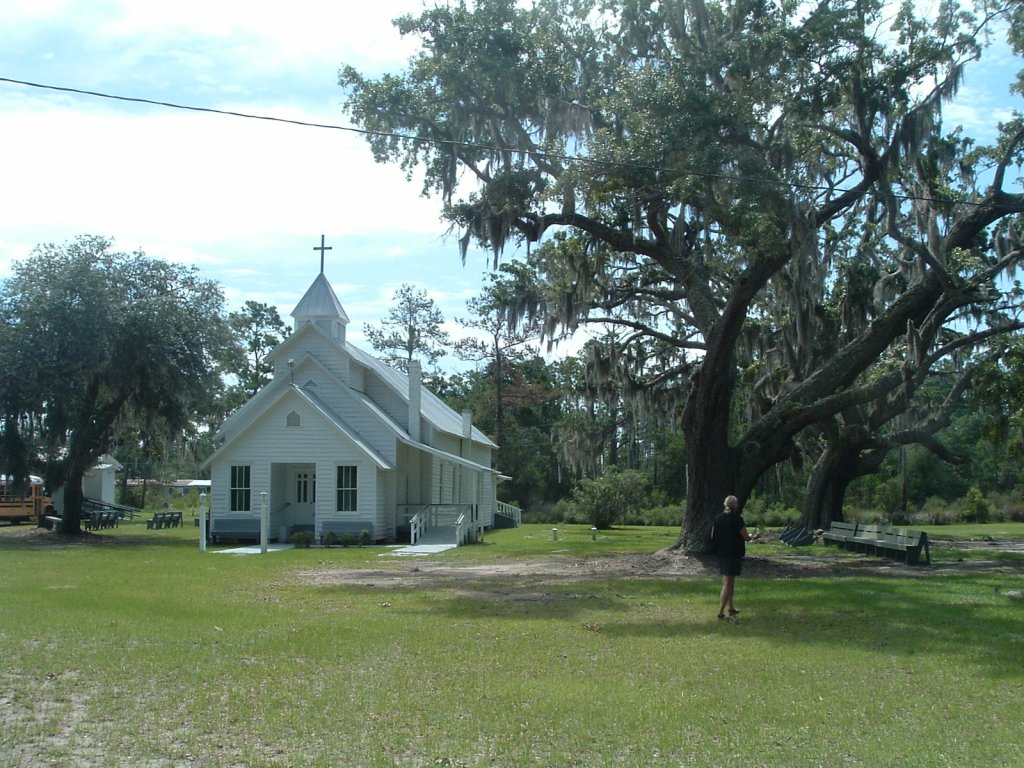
pixel 728 540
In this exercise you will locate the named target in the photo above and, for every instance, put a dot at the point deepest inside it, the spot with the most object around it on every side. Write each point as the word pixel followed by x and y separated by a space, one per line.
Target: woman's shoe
pixel 721 615
pixel 733 611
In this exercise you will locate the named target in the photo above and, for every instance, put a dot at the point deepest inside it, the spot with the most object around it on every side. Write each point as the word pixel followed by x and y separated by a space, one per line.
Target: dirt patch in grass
pixel 45 538
pixel 762 562
pixel 664 564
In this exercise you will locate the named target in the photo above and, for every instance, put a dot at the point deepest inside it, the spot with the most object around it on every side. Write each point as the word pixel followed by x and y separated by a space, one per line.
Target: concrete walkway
pixel 253 550
pixel 419 550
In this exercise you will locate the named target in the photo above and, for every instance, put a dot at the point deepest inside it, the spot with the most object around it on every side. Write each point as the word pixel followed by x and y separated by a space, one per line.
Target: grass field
pixel 142 651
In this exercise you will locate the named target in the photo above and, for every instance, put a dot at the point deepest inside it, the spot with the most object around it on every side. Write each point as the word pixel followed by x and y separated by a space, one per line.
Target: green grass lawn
pixel 142 651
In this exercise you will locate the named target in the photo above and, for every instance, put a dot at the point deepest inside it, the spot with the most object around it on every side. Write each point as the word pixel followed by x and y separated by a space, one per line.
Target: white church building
pixel 340 443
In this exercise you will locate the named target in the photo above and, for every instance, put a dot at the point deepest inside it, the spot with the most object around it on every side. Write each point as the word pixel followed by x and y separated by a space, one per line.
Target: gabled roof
pixel 295 338
pixel 441 416
pixel 342 426
pixel 320 407
pixel 319 301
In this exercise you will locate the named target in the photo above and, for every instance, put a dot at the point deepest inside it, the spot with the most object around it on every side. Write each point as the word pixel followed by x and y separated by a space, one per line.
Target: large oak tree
pixel 93 337
pixel 731 179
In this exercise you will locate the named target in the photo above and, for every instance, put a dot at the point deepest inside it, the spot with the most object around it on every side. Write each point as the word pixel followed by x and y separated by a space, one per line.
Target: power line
pixel 451 142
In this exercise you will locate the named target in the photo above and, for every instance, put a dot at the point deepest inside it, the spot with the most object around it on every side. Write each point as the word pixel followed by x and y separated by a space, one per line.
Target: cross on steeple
pixel 322 248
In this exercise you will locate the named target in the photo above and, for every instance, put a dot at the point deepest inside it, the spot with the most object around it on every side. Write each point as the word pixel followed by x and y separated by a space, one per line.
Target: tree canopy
pixel 258 328
pixel 412 329
pixel 749 188
pixel 93 337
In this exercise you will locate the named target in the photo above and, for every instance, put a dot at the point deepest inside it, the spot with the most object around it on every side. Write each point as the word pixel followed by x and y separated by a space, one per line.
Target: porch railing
pixel 513 513
pixel 461 517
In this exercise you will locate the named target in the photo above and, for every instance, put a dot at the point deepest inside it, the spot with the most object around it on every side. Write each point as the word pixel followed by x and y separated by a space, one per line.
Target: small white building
pixel 98 483
pixel 338 442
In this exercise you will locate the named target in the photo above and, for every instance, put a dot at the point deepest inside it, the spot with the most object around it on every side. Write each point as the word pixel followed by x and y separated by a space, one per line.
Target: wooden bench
pixel 235 528
pixel 839 533
pixel 868 539
pixel 900 544
pixel 164 520
pixel 907 546
pixel 100 519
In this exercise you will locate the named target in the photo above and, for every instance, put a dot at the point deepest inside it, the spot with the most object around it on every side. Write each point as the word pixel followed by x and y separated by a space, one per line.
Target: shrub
pixel 668 514
pixel 616 495
pixel 778 515
pixel 302 538
pixel 888 497
pixel 753 511
pixel 331 539
pixel 936 511
pixel 546 513
pixel 977 509
pixel 364 537
pixel 347 539
pixel 1013 511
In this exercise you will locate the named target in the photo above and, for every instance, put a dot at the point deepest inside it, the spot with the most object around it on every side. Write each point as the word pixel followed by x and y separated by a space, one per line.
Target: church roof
pixel 432 407
pixel 320 301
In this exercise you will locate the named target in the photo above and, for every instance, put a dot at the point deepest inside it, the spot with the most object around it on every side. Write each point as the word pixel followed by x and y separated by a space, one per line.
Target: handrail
pixel 507 510
pixel 435 515
pixel 460 530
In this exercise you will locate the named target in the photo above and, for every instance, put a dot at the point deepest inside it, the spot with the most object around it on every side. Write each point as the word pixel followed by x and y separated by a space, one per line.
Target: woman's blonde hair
pixel 732 503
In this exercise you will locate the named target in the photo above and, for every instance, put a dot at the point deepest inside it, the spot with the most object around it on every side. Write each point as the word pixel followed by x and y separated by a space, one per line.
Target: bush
pixel 864 516
pixel 364 537
pixel 616 495
pixel 936 511
pixel 302 539
pixel 888 497
pixel 1012 511
pixel 977 509
pixel 547 514
pixel 778 515
pixel 670 514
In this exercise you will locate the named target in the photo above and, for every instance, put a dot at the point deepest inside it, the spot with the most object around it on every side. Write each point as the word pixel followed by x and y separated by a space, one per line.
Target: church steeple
pixel 320 305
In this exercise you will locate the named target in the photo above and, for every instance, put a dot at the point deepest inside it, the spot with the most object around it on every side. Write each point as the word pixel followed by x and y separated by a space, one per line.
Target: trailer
pixel 23 505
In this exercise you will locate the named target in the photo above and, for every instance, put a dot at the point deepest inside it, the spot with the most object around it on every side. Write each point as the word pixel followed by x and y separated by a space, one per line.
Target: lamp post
pixel 264 522
pixel 202 521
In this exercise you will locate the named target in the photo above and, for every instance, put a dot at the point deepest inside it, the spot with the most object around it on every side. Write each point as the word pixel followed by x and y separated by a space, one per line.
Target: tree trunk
pixel 73 499
pixel 712 465
pixel 826 489
pixel 710 479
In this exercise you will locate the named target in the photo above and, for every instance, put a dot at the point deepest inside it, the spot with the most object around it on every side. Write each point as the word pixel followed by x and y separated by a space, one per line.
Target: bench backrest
pixel 845 528
pixel 908 537
pixel 870 531
pixel 238 524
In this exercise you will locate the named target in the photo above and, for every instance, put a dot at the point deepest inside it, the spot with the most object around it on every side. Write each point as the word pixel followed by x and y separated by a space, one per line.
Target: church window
pixel 241 488
pixel 347 488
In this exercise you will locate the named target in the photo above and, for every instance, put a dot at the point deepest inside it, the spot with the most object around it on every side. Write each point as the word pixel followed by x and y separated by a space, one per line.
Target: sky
pixel 245 201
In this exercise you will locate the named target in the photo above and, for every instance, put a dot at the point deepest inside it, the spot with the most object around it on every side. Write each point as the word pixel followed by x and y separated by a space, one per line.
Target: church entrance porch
pixel 293 497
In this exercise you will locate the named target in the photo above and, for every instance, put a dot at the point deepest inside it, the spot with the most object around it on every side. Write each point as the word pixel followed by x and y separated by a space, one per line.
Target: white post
pixel 264 522
pixel 202 521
